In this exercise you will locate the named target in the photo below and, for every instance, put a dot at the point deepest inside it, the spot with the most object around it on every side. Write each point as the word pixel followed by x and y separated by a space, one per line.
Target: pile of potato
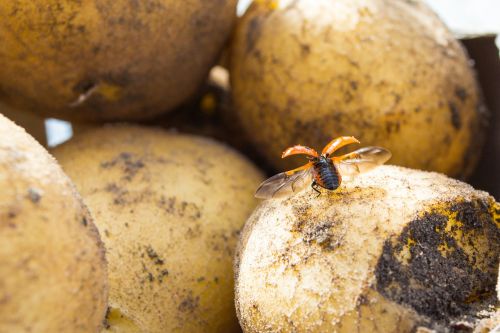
pixel 152 225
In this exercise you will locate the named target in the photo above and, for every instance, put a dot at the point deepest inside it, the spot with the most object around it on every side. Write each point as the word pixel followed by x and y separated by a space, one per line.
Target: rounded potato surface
pixel 52 265
pixel 387 72
pixel 169 207
pixel 391 251
pixel 103 60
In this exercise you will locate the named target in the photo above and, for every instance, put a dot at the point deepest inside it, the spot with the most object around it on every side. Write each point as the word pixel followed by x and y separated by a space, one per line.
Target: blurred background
pixel 464 17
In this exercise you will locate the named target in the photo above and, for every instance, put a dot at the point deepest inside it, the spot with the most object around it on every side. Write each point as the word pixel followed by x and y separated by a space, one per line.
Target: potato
pixel 52 265
pixel 103 60
pixel 169 207
pixel 387 72
pixel 390 251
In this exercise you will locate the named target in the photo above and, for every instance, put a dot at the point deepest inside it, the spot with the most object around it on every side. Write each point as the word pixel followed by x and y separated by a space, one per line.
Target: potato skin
pixel 391 251
pixel 125 59
pixel 52 265
pixel 169 207
pixel 387 72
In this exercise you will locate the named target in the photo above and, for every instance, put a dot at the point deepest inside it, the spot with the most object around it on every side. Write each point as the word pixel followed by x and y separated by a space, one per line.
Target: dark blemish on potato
pixel 181 209
pixel 392 126
pixel 348 97
pixel 354 85
pixel 167 203
pixel 216 279
pixel 417 109
pixel 461 93
pixel 397 98
pixel 200 279
pixel 253 33
pixel 194 232
pixel 442 287
pixel 362 300
pixel 84 221
pixel 189 304
pixel 130 166
pixel 162 275
pixel 305 49
pixel 106 233
pixel 154 256
pixel 119 194
pixel 112 188
pixel 455 115
pixel 322 234
pixel 34 195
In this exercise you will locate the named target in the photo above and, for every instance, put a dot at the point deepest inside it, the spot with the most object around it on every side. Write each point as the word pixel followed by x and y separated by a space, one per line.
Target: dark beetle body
pixel 325 173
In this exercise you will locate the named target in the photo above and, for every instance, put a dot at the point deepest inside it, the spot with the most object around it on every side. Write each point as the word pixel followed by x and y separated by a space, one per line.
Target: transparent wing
pixel 283 184
pixel 360 161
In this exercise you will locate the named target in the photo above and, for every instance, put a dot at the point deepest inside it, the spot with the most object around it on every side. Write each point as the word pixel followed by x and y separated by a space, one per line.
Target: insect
pixel 323 170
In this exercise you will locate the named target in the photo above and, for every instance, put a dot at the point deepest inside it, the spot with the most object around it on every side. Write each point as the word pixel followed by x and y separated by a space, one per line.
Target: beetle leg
pixel 314 187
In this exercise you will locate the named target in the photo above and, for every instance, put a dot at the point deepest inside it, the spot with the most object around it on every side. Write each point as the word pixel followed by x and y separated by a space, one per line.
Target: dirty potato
pixel 169 207
pixel 388 72
pixel 391 251
pixel 102 60
pixel 52 266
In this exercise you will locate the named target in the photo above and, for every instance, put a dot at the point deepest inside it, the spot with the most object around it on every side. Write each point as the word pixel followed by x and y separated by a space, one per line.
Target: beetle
pixel 325 171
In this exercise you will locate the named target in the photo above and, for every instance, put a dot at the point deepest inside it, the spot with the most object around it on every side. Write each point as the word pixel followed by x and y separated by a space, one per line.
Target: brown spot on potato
pixel 163 273
pixel 253 33
pixel 130 165
pixel 154 256
pixel 456 120
pixel 189 304
pixel 182 209
pixel 305 49
pixel 461 93
pixel 323 234
pixel 118 192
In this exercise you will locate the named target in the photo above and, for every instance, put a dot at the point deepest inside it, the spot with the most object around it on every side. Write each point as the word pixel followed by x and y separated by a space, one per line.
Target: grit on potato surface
pixel 387 72
pixel 52 265
pixel 169 208
pixel 391 251
pixel 102 60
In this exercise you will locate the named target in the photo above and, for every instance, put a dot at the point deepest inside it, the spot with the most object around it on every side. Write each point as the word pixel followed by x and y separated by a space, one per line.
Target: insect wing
pixel 361 161
pixel 282 185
